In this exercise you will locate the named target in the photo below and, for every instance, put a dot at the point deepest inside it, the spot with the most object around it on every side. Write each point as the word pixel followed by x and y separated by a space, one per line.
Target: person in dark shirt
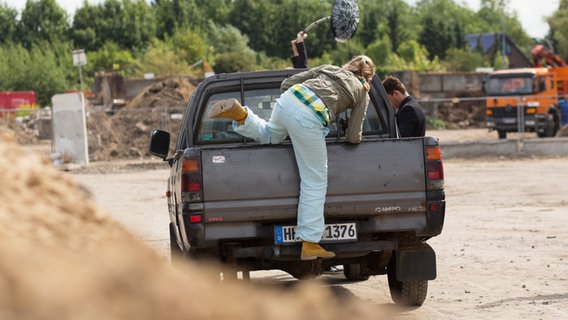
pixel 300 57
pixel 409 115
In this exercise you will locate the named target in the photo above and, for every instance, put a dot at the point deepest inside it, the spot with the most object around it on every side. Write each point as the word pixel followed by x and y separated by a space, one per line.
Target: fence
pixel 520 116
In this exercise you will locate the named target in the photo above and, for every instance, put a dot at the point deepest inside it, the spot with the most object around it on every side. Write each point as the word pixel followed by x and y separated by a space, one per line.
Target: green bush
pixel 437 123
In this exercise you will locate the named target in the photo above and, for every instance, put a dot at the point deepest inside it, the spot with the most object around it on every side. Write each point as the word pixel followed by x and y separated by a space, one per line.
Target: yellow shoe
pixel 230 109
pixel 312 250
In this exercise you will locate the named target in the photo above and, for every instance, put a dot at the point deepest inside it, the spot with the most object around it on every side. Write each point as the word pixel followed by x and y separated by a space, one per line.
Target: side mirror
pixel 160 144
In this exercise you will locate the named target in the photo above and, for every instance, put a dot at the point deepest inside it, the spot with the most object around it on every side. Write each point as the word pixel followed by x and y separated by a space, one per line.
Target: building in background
pixel 491 42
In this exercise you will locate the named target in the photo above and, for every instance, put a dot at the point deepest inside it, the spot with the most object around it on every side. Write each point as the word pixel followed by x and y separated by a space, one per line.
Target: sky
pixel 529 12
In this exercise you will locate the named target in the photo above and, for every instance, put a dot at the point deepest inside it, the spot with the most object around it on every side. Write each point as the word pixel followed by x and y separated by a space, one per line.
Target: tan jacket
pixel 340 90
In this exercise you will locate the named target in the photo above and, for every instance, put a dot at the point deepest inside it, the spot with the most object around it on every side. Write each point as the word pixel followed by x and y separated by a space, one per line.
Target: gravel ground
pixel 501 254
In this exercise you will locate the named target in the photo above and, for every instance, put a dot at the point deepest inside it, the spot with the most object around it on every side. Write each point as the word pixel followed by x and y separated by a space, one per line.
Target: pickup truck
pixel 234 200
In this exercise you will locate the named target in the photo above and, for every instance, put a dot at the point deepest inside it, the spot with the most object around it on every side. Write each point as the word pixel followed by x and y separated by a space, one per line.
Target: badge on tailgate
pixel 333 232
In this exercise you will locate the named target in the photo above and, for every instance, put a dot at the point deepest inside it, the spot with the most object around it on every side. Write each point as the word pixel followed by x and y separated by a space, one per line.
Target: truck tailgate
pixel 261 182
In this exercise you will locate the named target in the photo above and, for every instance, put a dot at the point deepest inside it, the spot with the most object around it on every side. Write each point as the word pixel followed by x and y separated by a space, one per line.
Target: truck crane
pixel 539 91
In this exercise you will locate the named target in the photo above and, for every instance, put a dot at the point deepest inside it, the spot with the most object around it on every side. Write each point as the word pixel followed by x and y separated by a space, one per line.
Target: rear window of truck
pixel 261 102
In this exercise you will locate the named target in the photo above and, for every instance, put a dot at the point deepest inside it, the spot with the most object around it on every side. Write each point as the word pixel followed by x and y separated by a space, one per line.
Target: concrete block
pixel 69 129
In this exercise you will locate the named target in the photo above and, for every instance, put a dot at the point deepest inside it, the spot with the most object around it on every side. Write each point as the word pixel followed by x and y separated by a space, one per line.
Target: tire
pixel 353 272
pixel 408 292
pixel 550 127
pixel 502 134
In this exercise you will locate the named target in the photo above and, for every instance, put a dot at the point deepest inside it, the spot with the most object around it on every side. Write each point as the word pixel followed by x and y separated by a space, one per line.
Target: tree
pixel 558 23
pixel 464 60
pixel 8 23
pixel 413 56
pixel 431 38
pixel 439 31
pixel 231 48
pixel 43 20
pixel 93 25
pixel 86 30
pixel 49 72
pixel 110 57
pixel 188 45
pixel 398 25
pixel 14 59
pixel 45 68
pixel 379 51
pixel 138 25
pixel 271 25
pixel 162 60
pixel 193 14
pixel 370 18
pixel 131 24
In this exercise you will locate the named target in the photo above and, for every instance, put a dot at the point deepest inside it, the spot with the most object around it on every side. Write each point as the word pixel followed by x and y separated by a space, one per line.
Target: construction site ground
pixel 501 254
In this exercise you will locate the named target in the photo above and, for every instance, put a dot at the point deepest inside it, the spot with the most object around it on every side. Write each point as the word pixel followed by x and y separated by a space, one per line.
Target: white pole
pixel 79 59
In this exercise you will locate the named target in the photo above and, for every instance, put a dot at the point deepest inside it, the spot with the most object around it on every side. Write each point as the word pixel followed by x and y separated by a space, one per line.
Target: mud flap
pixel 416 264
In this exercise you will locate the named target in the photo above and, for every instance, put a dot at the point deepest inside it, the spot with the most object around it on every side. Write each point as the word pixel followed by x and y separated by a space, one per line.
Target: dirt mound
pixel 125 133
pixel 62 258
pixel 171 92
pixel 467 111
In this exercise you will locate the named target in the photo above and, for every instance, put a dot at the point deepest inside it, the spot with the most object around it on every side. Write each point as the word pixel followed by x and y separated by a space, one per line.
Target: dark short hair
pixel 393 83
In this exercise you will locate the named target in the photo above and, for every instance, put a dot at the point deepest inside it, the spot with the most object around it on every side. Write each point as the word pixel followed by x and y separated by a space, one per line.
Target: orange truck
pixel 535 95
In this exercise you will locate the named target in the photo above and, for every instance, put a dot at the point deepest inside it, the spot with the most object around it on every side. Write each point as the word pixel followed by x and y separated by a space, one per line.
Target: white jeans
pixel 291 118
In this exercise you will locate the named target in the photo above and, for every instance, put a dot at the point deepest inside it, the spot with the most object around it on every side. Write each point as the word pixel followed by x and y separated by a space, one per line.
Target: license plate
pixel 509 120
pixel 333 232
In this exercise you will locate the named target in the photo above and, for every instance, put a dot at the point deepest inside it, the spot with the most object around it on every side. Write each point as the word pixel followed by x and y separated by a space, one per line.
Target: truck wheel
pixel 502 134
pixel 353 272
pixel 407 292
pixel 175 251
pixel 550 127
pixel 555 122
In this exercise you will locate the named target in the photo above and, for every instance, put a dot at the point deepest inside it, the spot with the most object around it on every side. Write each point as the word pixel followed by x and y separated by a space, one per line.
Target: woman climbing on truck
pixel 309 101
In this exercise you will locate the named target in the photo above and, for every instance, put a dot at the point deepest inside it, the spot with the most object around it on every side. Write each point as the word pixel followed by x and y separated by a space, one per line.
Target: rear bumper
pixel 511 124
pixel 292 252
pixel 256 239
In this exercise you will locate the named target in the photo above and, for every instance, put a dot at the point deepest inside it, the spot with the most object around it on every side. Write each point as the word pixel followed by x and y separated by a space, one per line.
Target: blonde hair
pixel 363 68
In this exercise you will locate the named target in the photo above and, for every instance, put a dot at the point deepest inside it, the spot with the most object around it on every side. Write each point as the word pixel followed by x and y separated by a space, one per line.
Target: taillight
pixel 435 196
pixel 191 186
pixel 195 218
pixel 434 168
pixel 191 183
pixel 190 165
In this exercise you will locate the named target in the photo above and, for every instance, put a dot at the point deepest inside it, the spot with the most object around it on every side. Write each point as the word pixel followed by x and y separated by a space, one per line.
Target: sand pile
pixel 171 92
pixel 126 133
pixel 63 258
